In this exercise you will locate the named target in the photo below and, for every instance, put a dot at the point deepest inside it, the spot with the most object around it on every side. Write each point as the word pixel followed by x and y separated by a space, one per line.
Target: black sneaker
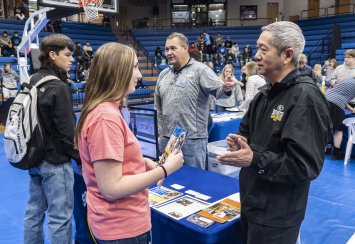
pixel 337 154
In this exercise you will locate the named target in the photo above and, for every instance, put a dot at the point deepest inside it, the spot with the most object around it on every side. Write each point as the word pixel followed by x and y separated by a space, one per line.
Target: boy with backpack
pixel 51 182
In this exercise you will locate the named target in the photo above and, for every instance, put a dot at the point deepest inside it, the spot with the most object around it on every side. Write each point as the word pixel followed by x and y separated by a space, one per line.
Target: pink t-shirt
pixel 105 135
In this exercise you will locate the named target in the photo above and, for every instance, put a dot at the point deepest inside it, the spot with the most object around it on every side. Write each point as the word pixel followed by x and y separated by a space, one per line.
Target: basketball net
pixel 91 8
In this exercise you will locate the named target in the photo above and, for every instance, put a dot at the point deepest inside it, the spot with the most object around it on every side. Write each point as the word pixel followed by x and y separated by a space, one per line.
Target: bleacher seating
pixel 314 30
pixel 314 27
pixel 96 34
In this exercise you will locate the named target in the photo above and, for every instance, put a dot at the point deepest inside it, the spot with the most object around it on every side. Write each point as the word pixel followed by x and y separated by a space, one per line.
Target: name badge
pixel 180 83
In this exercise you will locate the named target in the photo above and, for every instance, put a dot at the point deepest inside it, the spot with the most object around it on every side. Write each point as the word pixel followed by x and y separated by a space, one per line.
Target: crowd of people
pixel 285 113
pixel 8 45
pixel 216 52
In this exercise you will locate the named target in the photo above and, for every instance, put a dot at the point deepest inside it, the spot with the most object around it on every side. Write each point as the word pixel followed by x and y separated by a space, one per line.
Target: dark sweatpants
pixel 261 234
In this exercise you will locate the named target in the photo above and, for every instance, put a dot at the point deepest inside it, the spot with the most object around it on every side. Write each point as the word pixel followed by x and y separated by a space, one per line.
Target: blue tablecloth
pixel 168 230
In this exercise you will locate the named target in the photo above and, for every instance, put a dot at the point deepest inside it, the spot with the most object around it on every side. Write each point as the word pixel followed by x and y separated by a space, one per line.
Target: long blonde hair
pixel 250 69
pixel 223 75
pixel 317 69
pixel 110 75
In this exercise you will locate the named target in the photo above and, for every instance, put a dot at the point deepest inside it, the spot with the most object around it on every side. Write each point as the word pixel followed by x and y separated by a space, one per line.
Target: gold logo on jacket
pixel 277 114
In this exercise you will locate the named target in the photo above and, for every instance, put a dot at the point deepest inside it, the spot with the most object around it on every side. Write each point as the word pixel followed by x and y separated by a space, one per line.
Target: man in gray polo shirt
pixel 182 98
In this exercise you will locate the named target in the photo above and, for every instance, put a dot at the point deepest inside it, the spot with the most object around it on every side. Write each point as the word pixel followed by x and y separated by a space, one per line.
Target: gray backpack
pixel 24 143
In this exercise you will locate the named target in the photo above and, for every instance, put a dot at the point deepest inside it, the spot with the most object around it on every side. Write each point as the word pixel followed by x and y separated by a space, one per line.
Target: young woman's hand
pixel 174 162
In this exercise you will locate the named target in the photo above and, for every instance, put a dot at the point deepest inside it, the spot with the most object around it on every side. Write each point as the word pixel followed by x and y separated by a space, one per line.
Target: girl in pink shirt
pixel 115 173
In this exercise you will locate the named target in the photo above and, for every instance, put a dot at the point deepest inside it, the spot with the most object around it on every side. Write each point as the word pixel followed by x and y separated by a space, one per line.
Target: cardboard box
pixel 217 148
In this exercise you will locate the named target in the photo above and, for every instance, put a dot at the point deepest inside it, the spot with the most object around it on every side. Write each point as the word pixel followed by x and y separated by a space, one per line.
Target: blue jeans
pixel 194 150
pixel 141 239
pixel 51 190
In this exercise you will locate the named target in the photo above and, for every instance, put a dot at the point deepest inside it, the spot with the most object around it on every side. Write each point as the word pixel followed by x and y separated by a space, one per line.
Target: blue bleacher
pixel 141 93
pixel 313 30
pixel 96 34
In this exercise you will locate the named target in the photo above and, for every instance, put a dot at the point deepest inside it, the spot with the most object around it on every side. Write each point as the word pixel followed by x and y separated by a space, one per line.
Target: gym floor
pixel 330 216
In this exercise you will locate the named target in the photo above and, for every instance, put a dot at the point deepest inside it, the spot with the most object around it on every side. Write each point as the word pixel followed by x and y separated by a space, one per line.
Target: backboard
pixel 108 6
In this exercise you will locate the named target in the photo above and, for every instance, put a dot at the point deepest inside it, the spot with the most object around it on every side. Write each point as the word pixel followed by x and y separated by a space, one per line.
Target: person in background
pixel 332 65
pixel 50 26
pixel 339 97
pixel 115 173
pixel 10 79
pixel 351 105
pixel 210 22
pixel 281 140
pixel 88 51
pixel 318 74
pixel 230 57
pixel 235 50
pixel 208 42
pixel 219 40
pixel 182 98
pixel 51 182
pixel 57 25
pixel 254 82
pixel 192 47
pixel 243 78
pixel 78 51
pixel 228 43
pixel 19 14
pixel 106 21
pixel 71 84
pixel 79 69
pixel 158 56
pixel 347 69
pixel 237 96
pixel 15 40
pixel 246 55
pixel 305 69
pixel 5 44
pixel 325 68
pixel 222 50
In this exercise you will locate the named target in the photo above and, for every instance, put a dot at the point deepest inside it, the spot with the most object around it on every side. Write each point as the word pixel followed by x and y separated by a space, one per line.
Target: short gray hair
pixel 285 35
pixel 182 38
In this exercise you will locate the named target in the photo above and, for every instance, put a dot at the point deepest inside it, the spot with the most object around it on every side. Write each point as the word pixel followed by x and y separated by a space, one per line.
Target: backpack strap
pixel 40 119
pixel 45 79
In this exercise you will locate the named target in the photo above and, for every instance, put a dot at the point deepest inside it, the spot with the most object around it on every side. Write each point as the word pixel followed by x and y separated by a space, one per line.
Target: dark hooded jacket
pixel 287 129
pixel 55 110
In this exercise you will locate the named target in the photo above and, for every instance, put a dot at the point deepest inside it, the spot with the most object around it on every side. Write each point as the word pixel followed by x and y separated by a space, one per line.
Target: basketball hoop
pixel 91 8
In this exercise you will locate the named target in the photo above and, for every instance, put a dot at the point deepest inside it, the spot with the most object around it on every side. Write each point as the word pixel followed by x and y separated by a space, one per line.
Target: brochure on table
pixel 178 206
pixel 222 211
pixel 158 195
pixel 199 220
pixel 181 207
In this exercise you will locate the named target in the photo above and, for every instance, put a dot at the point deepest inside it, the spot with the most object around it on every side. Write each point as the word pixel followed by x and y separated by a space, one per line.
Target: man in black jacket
pixel 281 140
pixel 51 182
